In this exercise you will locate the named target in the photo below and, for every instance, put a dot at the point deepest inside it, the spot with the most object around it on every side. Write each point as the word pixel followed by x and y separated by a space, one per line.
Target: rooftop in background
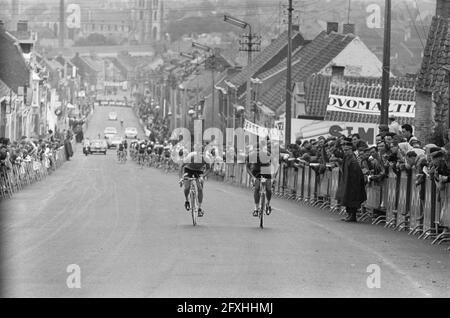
pixel 106 51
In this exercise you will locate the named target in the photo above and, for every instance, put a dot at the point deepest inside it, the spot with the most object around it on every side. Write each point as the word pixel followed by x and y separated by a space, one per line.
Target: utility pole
pixel 386 65
pixel 61 24
pixel 287 137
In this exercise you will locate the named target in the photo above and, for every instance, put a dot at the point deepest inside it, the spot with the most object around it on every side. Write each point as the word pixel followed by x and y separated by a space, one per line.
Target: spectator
pixel 407 132
pixel 351 192
pixel 394 126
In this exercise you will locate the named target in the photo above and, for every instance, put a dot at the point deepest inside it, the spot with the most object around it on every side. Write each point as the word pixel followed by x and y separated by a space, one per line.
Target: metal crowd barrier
pixel 19 175
pixel 398 201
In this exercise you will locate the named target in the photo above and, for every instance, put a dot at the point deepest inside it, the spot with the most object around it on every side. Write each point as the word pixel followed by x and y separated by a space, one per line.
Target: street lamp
pixel 187 55
pixel 236 22
pixel 202 47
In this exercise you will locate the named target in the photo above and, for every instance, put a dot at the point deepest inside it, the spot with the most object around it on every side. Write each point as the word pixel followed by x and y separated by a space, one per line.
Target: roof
pixel 311 59
pixel 14 71
pixel 94 63
pixel 436 54
pixel 53 64
pixel 319 87
pixel 4 89
pixel 264 57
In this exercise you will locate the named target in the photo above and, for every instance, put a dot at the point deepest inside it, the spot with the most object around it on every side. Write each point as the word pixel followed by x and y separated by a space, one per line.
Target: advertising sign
pixel 369 106
pixel 304 129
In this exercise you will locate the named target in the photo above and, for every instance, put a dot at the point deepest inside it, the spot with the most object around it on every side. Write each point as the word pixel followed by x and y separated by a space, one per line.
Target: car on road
pixel 131 132
pixel 110 132
pixel 114 142
pixel 112 116
pixel 98 146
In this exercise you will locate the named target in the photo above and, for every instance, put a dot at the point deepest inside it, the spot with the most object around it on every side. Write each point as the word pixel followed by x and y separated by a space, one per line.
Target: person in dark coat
pixel 351 192
pixel 68 147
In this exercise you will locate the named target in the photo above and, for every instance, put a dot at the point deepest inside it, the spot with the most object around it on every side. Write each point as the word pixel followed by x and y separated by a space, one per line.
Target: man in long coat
pixel 68 147
pixel 351 192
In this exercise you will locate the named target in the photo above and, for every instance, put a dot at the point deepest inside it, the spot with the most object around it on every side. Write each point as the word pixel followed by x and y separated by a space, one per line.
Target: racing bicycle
pixel 193 198
pixel 263 207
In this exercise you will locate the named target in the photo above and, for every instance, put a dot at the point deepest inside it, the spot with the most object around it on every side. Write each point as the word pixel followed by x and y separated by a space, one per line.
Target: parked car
pixel 110 132
pixel 112 116
pixel 131 132
pixel 114 142
pixel 98 146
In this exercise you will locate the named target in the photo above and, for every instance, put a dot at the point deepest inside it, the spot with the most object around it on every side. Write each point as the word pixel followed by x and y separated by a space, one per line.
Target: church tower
pixel 147 20
pixel 157 14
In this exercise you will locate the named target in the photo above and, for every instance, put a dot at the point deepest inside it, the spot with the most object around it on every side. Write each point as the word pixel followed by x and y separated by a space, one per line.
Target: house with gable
pixel 232 91
pixel 432 88
pixel 329 53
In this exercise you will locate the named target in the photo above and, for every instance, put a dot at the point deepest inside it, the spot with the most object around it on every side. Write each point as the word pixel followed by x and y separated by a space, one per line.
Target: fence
pixel 19 175
pixel 400 201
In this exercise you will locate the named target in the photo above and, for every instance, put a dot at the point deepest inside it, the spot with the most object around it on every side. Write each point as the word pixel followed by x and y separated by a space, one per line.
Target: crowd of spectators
pixel 397 151
pixel 155 122
pixel 30 150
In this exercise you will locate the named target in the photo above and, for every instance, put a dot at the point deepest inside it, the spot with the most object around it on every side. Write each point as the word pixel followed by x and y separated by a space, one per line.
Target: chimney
pixel 332 27
pixel 337 75
pixel 349 28
pixel 443 8
pixel 22 26
pixel 2 25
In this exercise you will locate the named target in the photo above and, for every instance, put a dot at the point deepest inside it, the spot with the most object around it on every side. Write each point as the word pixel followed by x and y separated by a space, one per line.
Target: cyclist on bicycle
pixel 141 151
pixel 120 150
pixel 259 168
pixel 194 165
pixel 121 123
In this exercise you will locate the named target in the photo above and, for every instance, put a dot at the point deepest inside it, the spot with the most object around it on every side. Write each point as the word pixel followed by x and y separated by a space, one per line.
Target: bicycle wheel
pixel 262 207
pixel 194 209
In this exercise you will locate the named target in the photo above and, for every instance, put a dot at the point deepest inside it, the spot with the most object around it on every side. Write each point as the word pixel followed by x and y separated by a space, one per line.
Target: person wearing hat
pixel 351 191
pixel 394 126
pixel 383 130
pixel 440 167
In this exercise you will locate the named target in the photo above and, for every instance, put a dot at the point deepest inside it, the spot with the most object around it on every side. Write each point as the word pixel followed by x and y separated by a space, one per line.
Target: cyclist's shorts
pixel 192 173
pixel 259 175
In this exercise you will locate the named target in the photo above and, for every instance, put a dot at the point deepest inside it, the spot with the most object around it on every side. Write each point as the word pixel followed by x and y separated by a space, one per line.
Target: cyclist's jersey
pixel 190 164
pixel 159 149
pixel 149 149
pixel 125 144
pixel 142 148
pixel 254 164
pixel 121 147
pixel 167 151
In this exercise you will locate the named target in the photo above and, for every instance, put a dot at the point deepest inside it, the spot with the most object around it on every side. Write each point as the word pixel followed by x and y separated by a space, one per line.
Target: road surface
pixel 127 232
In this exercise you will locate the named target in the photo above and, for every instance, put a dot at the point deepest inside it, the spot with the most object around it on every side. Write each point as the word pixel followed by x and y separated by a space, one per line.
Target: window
pixel 116 27
pixel 109 28
pixel 155 16
pixel 93 26
pixel 123 28
pixel 155 3
pixel 141 15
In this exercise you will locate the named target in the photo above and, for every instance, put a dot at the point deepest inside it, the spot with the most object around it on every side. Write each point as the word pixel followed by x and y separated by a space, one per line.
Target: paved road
pixel 128 232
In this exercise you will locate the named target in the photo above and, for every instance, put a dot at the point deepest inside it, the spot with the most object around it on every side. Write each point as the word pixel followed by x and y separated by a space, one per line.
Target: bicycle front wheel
pixel 194 208
pixel 262 201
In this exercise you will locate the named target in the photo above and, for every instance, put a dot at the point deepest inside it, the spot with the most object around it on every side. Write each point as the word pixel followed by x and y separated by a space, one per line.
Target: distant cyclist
pixel 142 147
pixel 121 123
pixel 121 151
pixel 258 165
pixel 194 165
